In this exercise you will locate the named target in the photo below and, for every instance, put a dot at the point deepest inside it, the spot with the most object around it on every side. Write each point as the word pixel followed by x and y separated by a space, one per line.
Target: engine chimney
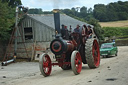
pixel 57 21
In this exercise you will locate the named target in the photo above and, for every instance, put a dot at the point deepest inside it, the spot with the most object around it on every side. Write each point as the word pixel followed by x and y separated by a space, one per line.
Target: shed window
pixel 28 33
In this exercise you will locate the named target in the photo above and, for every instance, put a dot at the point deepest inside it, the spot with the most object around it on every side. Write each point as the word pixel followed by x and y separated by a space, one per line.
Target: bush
pixel 115 31
pixel 7 19
pixel 97 28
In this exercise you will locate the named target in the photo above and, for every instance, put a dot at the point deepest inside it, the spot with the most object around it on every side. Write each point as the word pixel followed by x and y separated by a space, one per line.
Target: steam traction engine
pixel 70 49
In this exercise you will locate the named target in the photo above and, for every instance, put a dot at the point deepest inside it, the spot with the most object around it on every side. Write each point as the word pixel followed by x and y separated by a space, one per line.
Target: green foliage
pixel 111 12
pixel 115 31
pixel 68 12
pixel 6 21
pixel 84 14
pixel 97 28
pixel 35 11
pixel 12 3
pixel 100 12
pixel 38 11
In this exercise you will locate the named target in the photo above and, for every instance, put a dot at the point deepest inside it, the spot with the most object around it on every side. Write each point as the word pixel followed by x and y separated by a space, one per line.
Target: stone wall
pixel 118 42
pixel 122 42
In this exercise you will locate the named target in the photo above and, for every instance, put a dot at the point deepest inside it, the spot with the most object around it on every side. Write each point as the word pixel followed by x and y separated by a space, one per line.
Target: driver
pixel 77 30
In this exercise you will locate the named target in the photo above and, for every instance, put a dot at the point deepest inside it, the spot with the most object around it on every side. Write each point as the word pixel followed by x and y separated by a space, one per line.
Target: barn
pixel 37 31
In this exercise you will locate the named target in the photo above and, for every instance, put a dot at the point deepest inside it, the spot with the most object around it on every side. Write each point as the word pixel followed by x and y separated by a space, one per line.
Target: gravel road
pixel 112 71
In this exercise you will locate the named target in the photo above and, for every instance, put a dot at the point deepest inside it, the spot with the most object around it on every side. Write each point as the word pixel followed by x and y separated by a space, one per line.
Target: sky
pixel 49 5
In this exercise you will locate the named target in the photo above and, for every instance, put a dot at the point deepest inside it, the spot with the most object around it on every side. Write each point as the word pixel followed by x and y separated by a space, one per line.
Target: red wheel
pixel 45 65
pixel 76 62
pixel 92 53
pixel 96 53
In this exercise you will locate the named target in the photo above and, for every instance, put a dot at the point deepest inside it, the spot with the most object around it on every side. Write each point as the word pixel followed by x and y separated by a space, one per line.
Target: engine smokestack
pixel 57 21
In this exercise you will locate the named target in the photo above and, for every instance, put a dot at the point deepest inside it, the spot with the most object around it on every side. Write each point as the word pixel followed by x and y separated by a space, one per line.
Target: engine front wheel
pixel 45 65
pixel 92 53
pixel 76 62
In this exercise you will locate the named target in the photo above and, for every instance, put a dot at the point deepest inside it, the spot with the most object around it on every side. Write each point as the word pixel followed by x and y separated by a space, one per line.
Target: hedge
pixel 115 31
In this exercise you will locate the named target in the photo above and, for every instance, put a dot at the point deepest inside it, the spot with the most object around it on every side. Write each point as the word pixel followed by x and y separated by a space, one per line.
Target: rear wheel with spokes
pixel 92 53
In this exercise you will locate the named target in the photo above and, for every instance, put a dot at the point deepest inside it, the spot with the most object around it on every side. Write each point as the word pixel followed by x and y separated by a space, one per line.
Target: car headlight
pixel 109 51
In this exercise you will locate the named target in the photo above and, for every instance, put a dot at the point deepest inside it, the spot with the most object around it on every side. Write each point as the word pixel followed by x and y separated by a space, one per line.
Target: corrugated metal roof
pixel 64 19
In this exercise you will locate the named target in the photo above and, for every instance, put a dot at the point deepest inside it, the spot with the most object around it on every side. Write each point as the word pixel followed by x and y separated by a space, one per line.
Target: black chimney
pixel 57 21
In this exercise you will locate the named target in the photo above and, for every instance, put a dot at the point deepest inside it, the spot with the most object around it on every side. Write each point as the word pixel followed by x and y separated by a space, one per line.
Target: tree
pixel 100 12
pixel 12 3
pixel 90 11
pixel 68 12
pixel 83 12
pixel 74 11
pixel 123 15
pixel 6 21
pixel 111 12
pixel 97 28
pixel 35 11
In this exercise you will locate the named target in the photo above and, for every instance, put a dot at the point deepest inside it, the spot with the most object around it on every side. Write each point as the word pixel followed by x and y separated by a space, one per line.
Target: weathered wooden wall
pixel 42 35
pixel 32 49
pixel 41 32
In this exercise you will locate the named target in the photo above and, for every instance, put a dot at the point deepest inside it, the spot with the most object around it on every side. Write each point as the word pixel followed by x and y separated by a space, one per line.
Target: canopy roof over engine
pixel 64 19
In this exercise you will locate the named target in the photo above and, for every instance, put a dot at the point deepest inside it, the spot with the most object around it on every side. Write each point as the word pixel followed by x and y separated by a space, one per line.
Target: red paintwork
pixel 60 46
pixel 78 62
pixel 70 45
pixel 96 53
pixel 61 61
pixel 47 65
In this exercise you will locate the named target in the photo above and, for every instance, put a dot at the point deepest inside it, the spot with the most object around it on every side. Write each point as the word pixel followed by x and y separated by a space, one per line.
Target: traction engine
pixel 71 50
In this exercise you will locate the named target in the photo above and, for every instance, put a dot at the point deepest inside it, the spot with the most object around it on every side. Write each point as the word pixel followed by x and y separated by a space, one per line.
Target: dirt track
pixel 112 71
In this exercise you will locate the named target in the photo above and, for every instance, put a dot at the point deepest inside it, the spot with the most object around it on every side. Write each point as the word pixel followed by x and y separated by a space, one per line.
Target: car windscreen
pixel 103 46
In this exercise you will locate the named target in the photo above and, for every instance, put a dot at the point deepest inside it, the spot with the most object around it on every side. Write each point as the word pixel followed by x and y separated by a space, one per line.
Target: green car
pixel 108 49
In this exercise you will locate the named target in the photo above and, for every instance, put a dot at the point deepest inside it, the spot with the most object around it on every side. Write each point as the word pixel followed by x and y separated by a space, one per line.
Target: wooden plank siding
pixel 41 32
